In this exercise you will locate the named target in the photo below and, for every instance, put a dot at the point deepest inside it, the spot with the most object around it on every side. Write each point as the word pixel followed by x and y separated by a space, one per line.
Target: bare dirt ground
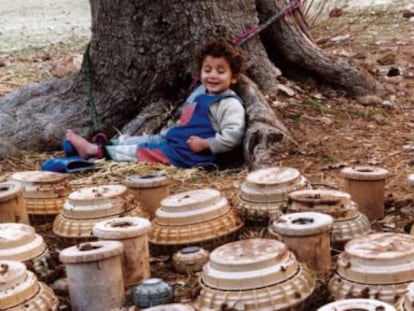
pixel 331 132
pixel 37 23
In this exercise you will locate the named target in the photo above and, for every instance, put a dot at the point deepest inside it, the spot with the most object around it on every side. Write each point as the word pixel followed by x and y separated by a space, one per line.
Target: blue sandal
pixel 67 165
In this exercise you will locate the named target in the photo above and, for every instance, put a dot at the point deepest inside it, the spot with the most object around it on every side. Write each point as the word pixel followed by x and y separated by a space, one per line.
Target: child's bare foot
pixel 84 148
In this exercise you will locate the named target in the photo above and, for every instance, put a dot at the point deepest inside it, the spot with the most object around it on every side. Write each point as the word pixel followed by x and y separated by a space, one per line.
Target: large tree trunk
pixel 142 63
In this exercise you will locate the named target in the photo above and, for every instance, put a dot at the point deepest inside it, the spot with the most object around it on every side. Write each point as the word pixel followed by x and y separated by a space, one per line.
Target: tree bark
pixel 142 63
pixel 290 45
pixel 266 139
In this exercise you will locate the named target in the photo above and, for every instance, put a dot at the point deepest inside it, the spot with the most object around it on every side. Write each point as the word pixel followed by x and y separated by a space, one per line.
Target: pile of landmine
pixel 111 235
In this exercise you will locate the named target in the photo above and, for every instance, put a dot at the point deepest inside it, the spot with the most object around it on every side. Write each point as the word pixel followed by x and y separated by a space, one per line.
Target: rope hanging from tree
pixel 96 119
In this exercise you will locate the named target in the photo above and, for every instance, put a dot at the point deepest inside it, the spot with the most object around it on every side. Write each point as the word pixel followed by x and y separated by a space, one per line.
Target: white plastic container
pixel 94 272
pixel 132 232
pixel 149 190
pixel 366 184
pixel 348 224
pixel 307 234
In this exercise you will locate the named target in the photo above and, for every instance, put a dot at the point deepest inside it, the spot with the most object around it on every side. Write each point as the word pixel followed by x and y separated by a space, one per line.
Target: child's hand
pixel 197 144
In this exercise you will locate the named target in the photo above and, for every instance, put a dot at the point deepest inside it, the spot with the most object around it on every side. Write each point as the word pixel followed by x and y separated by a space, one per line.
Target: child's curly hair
pixel 223 48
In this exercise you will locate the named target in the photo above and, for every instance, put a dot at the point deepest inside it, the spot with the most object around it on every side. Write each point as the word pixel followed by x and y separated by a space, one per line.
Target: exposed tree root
pixel 266 139
pixel 287 39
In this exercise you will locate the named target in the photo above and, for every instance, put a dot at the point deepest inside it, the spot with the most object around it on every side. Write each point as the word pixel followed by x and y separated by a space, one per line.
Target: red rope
pixel 286 10
pixel 244 35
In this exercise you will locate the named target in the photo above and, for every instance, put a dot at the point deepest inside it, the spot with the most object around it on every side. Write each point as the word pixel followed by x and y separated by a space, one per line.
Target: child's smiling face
pixel 216 74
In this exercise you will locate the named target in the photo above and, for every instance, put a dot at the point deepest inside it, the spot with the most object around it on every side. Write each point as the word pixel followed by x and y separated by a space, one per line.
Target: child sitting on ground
pixel 212 121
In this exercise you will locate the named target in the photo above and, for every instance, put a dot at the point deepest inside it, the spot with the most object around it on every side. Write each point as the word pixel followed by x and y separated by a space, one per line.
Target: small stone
pixel 409 74
pixel 360 55
pixel 380 119
pixel 279 104
pixel 326 121
pixel 408 14
pixel 70 64
pixel 339 39
pixel 45 57
pixel 369 100
pixel 408 147
pixel 388 104
pixel 286 90
pixel 318 96
pixel 336 12
pixel 394 80
pixel 387 59
pixel 390 88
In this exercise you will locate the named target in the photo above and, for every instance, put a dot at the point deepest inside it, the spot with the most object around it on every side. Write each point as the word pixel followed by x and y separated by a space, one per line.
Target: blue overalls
pixel 175 146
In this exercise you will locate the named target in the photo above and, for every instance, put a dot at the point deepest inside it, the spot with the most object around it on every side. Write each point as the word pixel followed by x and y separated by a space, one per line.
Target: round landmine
pixel 94 272
pixel 348 223
pixel 366 184
pixel 261 273
pixel 44 193
pixel 378 266
pixel 20 290
pixel 12 204
pixel 87 206
pixel 263 194
pixel 357 305
pixel 171 307
pixel 307 234
pixel 20 242
pixel 149 190
pixel 190 259
pixel 152 292
pixel 132 232
pixel 198 217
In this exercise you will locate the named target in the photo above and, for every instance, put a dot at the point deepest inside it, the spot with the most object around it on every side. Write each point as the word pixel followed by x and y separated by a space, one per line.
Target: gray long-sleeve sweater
pixel 228 118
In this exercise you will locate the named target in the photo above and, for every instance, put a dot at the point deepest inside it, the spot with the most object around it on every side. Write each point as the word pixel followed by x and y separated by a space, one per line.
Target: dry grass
pixel 27 66
pixel 111 172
